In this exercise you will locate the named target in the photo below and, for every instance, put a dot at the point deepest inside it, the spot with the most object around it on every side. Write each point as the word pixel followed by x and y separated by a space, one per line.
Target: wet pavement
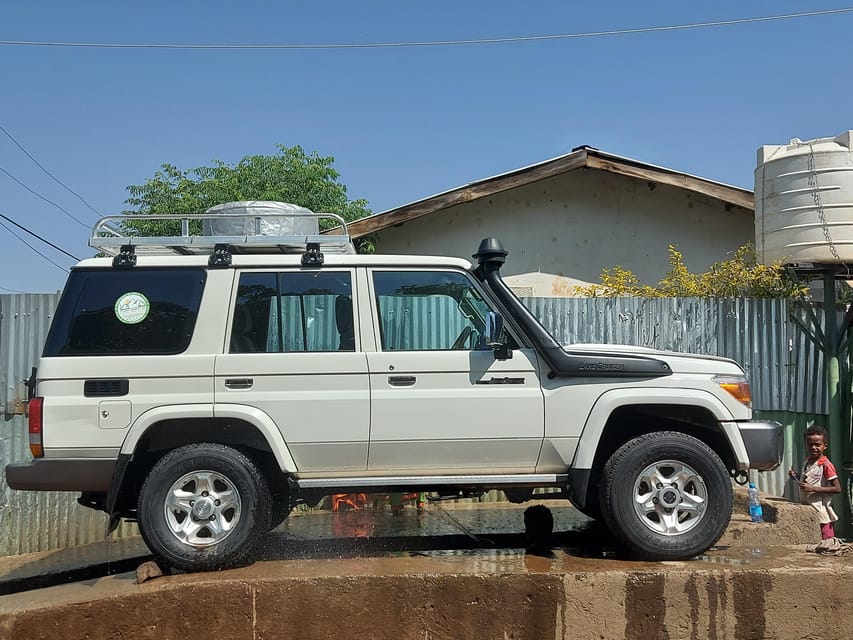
pixel 479 534
pixel 449 527
pixel 450 571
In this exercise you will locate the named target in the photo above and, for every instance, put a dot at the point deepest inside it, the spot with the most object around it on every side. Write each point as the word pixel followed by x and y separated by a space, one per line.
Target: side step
pixel 520 480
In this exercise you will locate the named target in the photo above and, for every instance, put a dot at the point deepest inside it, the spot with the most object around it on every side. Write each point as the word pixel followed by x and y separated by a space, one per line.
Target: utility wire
pixel 59 266
pixel 426 43
pixel 40 166
pixel 38 237
pixel 51 202
pixel 11 290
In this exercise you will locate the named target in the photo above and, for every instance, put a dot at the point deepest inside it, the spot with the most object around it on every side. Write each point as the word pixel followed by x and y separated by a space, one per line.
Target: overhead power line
pixel 50 202
pixel 59 266
pixel 37 236
pixel 40 166
pixel 425 43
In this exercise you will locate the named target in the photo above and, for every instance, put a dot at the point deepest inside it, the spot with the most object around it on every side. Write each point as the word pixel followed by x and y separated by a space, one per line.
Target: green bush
pixel 741 276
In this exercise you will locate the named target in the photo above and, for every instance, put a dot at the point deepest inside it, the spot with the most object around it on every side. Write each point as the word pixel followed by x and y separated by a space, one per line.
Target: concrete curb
pixel 790 595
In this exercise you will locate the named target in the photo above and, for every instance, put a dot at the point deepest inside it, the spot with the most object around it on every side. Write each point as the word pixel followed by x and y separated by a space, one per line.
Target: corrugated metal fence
pixel 784 367
pixel 33 520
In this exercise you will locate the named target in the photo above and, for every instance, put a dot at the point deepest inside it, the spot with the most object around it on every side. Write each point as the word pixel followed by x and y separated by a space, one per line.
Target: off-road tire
pixel 238 546
pixel 622 484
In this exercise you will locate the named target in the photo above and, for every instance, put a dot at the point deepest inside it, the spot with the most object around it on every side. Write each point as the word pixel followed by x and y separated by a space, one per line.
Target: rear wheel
pixel 203 507
pixel 666 496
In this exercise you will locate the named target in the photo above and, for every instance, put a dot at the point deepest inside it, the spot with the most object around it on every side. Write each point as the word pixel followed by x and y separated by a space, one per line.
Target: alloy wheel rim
pixel 670 497
pixel 202 508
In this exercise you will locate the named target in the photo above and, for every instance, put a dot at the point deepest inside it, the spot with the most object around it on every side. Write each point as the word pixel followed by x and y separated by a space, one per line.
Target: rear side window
pixel 134 312
pixel 293 312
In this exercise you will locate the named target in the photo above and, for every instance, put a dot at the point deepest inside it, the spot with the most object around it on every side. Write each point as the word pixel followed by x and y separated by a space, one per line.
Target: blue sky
pixel 401 123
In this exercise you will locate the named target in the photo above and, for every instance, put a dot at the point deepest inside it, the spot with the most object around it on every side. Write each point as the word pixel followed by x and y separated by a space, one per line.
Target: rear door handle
pixel 401 381
pixel 239 383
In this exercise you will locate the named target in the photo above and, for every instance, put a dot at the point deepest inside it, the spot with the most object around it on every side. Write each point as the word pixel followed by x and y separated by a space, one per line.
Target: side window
pixel 429 311
pixel 140 311
pixel 293 312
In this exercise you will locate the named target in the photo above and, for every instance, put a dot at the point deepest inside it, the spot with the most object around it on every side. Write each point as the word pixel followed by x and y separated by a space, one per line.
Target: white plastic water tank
pixel 804 201
pixel 278 219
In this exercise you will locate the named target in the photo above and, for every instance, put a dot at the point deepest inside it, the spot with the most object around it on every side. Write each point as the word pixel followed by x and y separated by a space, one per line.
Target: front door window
pixel 429 311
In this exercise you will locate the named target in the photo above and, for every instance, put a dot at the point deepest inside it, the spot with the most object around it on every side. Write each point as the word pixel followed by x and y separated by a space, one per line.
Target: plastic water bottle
pixel 755 512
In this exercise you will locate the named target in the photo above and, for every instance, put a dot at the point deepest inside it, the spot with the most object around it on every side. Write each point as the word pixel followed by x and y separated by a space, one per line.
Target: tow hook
pixel 740 477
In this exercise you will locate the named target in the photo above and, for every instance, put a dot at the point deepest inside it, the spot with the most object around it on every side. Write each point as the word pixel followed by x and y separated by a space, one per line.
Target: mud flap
pixel 112 524
pixel 114 518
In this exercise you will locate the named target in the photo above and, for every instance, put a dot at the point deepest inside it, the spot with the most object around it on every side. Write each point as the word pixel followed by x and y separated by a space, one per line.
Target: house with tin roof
pixel 565 219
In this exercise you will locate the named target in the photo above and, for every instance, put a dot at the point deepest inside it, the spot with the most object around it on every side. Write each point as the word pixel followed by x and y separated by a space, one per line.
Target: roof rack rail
pixel 183 234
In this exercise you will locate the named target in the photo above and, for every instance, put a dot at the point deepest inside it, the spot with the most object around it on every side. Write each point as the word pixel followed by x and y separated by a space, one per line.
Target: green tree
pixel 741 276
pixel 289 175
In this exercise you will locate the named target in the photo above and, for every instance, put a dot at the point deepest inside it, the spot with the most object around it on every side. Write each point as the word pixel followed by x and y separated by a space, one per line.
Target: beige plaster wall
pixel 578 223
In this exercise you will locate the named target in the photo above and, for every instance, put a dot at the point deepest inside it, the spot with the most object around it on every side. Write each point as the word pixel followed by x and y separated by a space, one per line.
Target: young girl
pixel 819 480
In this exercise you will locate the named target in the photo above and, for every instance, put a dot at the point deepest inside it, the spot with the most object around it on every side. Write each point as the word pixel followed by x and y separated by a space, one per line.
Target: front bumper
pixel 61 474
pixel 764 441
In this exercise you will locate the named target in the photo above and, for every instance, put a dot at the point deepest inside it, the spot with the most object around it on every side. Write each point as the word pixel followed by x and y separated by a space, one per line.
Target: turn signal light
pixel 35 425
pixel 738 387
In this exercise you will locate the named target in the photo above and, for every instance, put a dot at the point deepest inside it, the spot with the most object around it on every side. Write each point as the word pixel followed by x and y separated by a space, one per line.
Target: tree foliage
pixel 290 175
pixel 741 276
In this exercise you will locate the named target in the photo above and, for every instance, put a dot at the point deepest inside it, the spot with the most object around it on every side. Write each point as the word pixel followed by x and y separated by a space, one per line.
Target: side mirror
pixel 493 334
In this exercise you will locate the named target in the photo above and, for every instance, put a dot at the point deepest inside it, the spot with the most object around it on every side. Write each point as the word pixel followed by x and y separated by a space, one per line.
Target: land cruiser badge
pixel 132 308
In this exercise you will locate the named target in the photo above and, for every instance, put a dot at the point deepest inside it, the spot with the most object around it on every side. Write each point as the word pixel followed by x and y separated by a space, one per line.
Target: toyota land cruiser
pixel 204 385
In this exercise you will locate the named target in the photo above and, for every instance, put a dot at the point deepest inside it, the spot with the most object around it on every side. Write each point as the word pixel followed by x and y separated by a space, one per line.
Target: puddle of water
pixel 464 554
pixel 725 560
pixel 483 537
pixel 434 520
pixel 481 560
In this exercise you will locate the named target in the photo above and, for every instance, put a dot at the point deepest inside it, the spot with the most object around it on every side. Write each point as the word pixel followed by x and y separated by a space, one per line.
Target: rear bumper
pixel 59 474
pixel 764 442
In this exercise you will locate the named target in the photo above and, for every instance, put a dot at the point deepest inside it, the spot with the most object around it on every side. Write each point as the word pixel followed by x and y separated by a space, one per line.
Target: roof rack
pixel 114 235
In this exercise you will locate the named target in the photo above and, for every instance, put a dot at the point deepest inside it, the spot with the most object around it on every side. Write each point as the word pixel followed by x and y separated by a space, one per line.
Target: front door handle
pixel 239 383
pixel 401 381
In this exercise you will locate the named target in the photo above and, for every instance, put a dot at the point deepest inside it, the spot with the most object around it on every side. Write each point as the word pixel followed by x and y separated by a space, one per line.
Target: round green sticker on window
pixel 132 307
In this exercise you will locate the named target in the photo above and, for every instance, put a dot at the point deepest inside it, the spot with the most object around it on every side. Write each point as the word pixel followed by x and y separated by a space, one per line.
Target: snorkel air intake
pixel 490 258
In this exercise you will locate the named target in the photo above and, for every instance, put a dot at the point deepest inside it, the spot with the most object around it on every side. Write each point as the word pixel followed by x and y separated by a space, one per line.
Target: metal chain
pixel 818 202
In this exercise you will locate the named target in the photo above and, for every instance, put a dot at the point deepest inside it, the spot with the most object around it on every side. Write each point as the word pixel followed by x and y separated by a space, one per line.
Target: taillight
pixel 35 422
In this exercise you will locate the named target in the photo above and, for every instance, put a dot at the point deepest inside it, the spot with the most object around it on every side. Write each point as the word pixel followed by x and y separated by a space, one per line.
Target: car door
pixel 294 353
pixel 441 403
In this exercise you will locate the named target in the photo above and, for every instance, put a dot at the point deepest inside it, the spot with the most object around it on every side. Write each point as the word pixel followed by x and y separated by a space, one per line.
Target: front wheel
pixel 666 496
pixel 204 507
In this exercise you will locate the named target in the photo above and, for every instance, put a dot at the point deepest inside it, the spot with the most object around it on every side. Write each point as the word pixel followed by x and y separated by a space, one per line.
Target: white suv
pixel 205 385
